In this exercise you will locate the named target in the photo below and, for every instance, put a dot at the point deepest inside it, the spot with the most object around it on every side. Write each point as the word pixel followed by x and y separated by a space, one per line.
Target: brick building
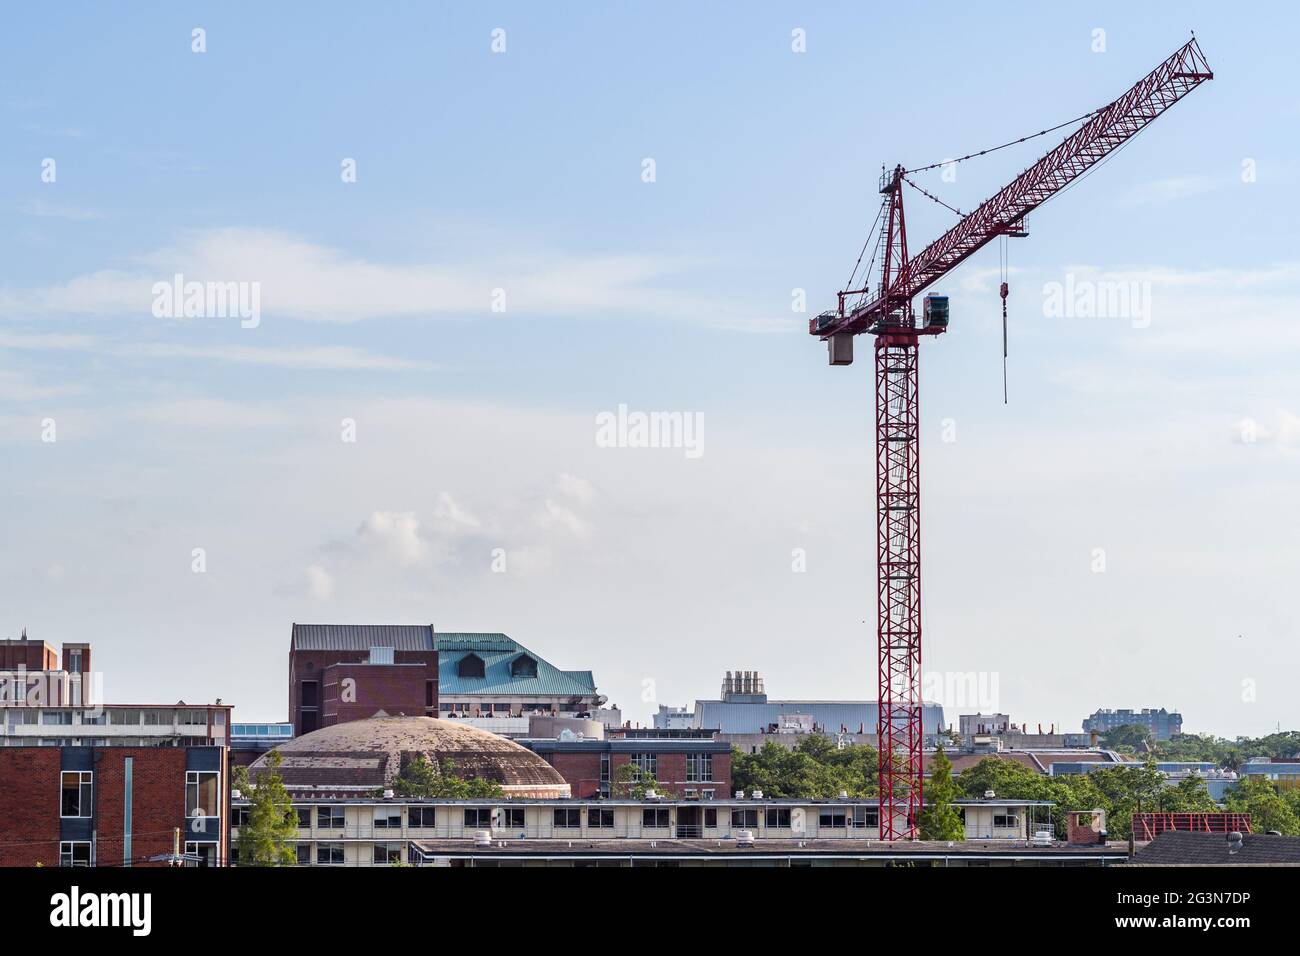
pixel 687 768
pixel 86 784
pixel 342 672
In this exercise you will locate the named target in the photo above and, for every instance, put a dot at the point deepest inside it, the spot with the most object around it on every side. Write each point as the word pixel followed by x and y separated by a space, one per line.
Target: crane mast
pixel 887 314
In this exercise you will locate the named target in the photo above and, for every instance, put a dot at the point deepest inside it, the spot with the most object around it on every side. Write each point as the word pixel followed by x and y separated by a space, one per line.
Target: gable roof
pixel 1174 847
pixel 362 637
pixel 498 652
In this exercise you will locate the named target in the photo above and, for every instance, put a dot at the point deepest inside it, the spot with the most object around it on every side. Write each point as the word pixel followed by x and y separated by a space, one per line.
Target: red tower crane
pixel 886 313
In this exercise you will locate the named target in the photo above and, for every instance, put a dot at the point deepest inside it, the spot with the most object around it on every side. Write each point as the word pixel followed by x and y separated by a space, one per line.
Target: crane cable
pixel 1003 257
pixel 1014 142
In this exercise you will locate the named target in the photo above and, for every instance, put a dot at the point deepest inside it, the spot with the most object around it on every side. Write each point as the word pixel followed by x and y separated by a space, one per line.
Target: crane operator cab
pixel 934 312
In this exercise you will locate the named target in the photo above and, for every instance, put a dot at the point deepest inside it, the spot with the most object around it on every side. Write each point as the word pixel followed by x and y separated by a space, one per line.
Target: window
pixel 428 693
pixel 512 818
pixel 711 818
pixel 868 817
pixel 207 853
pixel 74 660
pixel 201 792
pixel 74 853
pixel 310 691
pixel 421 817
pixel 523 666
pixel 157 718
pixel 745 818
pixel 387 853
pixel 329 854
pixel 1005 820
pixel 568 818
pixel 57 718
pixel 329 818
pixel 699 768
pixel 478 818
pixel 649 763
pixel 471 665
pixel 308 720
pixel 242 815
pixel 600 818
pixel 94 719
pixel 388 819
pixel 655 818
pixel 78 791
pixel 778 818
pixel 832 820
pixel 304 853
pixel 604 774
pixel 304 818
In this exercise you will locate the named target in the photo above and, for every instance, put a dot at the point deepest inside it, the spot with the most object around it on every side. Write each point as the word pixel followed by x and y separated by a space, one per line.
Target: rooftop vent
pixel 745 838
pixel 482 837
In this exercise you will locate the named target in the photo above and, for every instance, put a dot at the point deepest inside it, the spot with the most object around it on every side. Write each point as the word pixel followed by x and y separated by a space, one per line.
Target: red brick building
pixel 86 784
pixel 685 767
pixel 342 672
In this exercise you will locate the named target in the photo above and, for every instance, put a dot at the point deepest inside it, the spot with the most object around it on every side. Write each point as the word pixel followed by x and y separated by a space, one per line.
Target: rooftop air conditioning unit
pixel 745 838
pixel 1043 836
pixel 740 794
pixel 235 794
pixel 388 794
pixel 482 837
pixel 989 794
pixel 651 795
pixel 844 794
pixel 757 794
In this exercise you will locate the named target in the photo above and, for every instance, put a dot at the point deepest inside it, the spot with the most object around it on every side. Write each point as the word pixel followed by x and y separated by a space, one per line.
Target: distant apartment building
pixel 674 718
pixel 84 783
pixel 746 717
pixel 1162 723
pixel 971 724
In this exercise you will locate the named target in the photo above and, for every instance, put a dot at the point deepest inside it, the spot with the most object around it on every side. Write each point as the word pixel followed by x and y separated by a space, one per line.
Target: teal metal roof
pixel 499 653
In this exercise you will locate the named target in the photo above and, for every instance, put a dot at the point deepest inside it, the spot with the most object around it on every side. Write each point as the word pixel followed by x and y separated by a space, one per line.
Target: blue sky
pixel 522 170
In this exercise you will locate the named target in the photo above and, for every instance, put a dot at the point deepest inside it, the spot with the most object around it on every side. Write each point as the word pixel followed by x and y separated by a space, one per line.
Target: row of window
pixel 118 717
pixel 78 852
pixel 570 818
pixel 202 793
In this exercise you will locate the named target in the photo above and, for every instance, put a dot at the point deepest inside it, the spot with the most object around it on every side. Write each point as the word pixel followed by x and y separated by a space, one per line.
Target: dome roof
pixel 370 753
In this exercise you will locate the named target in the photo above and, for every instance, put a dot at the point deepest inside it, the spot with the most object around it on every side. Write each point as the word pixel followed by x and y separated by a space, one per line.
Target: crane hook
pixel 1003 291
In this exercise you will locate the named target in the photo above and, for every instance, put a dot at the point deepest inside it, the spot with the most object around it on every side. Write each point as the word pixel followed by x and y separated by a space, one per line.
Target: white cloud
pixel 396 534
pixel 321 358
pixel 320 583
pixel 38 207
pixel 313 282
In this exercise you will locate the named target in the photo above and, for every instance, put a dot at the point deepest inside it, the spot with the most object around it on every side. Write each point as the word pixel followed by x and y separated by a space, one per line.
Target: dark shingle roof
pixel 362 637
pixel 1175 847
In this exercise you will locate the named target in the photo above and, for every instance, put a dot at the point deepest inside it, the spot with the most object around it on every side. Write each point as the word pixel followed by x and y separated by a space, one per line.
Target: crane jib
pixel 1004 212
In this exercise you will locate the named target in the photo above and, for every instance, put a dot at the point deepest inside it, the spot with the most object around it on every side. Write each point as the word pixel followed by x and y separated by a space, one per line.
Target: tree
pixel 270 828
pixel 1128 738
pixel 1267 808
pixel 631 781
pixel 420 778
pixel 815 768
pixel 939 819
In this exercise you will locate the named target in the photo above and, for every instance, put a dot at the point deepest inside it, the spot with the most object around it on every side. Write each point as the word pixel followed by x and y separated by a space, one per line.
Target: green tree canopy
pixel 270 828
pixel 939 819
pixel 420 778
